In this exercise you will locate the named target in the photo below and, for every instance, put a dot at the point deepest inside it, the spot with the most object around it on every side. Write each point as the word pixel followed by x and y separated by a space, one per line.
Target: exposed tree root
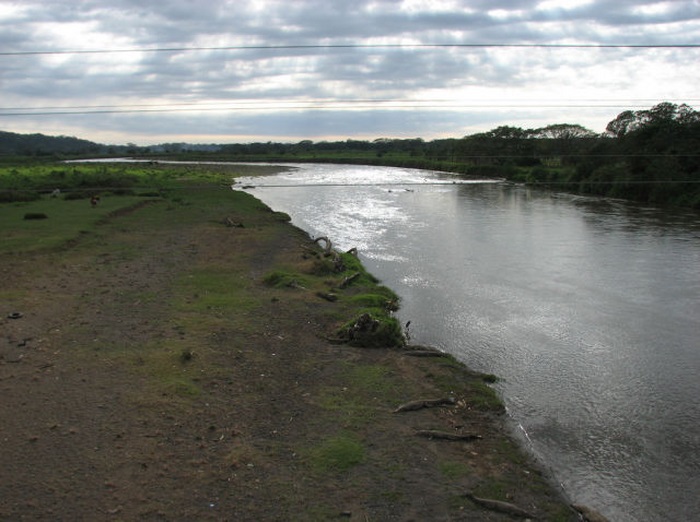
pixel 446 435
pixel 500 506
pixel 349 279
pixel 424 403
pixel 232 224
pixel 328 296
pixel 425 353
pixel 328 245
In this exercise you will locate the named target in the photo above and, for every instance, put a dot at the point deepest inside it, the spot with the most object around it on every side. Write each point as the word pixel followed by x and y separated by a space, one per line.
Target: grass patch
pixel 373 331
pixel 67 220
pixel 379 299
pixel 336 454
pixel 213 290
pixel 485 398
pixel 362 391
pixel 285 279
pixel 454 470
pixel 450 376
pixel 494 488
pixel 163 364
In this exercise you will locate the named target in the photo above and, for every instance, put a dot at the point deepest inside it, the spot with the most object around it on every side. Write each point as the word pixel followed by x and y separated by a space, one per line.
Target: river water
pixel 587 309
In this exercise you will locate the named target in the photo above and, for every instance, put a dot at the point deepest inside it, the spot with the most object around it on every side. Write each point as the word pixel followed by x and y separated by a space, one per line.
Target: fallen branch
pixel 346 282
pixel 328 296
pixel 500 506
pixel 446 435
pixel 329 245
pixel 338 264
pixel 232 224
pixel 424 403
pixel 425 353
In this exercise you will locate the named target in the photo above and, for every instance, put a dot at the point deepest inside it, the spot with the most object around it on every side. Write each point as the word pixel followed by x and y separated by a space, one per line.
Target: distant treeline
pixel 652 155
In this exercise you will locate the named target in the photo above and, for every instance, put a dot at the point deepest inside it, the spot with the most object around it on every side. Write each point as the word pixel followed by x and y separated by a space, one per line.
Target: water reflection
pixel 587 308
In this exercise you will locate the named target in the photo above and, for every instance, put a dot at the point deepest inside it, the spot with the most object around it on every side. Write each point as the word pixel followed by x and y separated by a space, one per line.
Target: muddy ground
pixel 134 388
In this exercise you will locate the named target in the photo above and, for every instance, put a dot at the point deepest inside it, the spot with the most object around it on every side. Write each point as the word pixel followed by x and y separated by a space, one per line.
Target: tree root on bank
pixel 500 506
pixel 349 279
pixel 328 245
pixel 364 324
pixel 328 296
pixel 425 353
pixel 446 435
pixel 424 403
pixel 232 224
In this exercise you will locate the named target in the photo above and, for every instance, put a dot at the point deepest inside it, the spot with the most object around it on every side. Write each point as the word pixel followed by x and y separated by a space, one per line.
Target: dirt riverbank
pixel 154 375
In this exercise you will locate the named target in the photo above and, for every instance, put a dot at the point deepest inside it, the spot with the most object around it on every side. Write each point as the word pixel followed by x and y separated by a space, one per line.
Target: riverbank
pixel 153 367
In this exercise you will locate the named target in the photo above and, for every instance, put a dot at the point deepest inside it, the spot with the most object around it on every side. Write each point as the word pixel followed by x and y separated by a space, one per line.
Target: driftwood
pixel 424 403
pixel 425 353
pixel 352 251
pixel 446 435
pixel 338 264
pixel 349 279
pixel 232 224
pixel 365 323
pixel 328 245
pixel 588 514
pixel 500 506
pixel 328 296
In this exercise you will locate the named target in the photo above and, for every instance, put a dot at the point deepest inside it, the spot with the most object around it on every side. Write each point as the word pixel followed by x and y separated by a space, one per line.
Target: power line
pixel 354 46
pixel 292 106
pixel 584 102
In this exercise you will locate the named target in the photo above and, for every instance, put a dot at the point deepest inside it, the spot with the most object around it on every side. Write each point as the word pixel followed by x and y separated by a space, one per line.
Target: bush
pixel 35 215
pixel 368 331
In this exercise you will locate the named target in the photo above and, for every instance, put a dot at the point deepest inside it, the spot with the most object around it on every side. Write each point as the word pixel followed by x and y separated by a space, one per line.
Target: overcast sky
pixel 215 71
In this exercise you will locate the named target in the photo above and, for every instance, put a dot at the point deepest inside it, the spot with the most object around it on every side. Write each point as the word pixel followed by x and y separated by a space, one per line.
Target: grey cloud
pixel 203 76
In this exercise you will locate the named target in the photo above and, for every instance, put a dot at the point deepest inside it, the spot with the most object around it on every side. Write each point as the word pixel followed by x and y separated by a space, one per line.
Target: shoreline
pixel 158 372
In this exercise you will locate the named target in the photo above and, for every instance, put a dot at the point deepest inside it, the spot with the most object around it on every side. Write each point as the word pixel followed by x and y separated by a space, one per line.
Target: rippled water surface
pixel 588 309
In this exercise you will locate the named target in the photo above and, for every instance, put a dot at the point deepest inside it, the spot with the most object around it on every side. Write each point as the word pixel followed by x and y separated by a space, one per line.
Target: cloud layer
pixel 375 77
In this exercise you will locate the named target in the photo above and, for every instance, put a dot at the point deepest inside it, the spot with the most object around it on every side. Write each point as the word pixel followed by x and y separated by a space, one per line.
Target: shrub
pixel 35 215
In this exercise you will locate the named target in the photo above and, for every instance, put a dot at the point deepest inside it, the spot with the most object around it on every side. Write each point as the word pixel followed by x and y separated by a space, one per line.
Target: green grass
pixel 336 454
pixel 66 220
pixel 285 279
pixel 454 470
pixel 362 390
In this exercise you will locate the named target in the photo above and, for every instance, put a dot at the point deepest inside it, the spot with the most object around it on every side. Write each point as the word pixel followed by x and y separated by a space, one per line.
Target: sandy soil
pixel 124 399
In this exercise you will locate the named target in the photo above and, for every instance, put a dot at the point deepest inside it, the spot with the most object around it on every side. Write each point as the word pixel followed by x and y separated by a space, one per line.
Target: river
pixel 587 309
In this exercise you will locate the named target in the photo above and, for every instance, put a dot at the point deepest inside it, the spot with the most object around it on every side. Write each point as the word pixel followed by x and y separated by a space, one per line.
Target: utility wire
pixel 353 46
pixel 583 102
pixel 292 105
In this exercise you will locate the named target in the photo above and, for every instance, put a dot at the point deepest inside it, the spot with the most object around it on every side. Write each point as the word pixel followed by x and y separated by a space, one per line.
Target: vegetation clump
pixel 284 279
pixel 35 215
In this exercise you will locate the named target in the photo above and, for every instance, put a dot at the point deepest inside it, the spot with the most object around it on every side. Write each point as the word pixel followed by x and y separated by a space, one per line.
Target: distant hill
pixel 13 144
pixel 41 145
